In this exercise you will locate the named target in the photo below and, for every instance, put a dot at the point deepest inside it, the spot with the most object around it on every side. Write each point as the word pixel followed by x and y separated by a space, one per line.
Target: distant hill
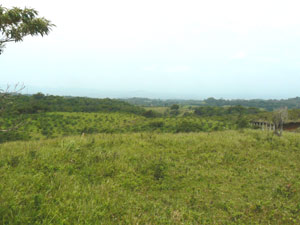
pixel 27 104
pixel 291 103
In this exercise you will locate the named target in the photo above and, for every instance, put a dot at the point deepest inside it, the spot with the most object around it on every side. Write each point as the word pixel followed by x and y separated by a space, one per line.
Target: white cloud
pixel 269 59
pixel 176 69
pixel 151 68
pixel 239 55
pixel 167 69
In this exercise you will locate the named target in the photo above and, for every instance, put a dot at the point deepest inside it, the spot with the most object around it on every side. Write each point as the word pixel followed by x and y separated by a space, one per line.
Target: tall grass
pixel 228 177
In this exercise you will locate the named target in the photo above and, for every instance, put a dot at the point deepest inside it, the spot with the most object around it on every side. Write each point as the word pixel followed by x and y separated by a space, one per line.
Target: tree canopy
pixel 17 23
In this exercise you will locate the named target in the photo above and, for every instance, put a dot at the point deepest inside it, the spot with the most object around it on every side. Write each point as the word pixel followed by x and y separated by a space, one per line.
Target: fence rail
pixel 263 125
pixel 289 126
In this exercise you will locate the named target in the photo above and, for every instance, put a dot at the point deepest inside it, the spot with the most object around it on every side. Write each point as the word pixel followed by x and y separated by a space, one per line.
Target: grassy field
pixel 59 124
pixel 163 110
pixel 225 177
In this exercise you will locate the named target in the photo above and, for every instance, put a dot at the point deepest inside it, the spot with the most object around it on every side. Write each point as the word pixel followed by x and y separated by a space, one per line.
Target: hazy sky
pixel 160 48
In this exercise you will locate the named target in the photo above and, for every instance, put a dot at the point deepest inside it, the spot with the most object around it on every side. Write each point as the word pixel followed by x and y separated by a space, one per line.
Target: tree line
pixel 270 105
pixel 37 103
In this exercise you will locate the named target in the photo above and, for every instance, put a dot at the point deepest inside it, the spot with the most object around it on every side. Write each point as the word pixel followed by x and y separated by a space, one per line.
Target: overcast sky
pixel 160 48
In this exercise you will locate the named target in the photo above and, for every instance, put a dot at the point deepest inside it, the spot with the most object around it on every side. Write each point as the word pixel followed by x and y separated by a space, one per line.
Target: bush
pixel 150 114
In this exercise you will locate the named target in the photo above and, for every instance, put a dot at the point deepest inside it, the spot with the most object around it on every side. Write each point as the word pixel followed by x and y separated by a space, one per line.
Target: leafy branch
pixel 17 23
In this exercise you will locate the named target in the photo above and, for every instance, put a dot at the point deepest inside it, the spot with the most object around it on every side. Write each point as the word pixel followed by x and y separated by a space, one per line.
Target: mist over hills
pixel 150 94
pixel 146 98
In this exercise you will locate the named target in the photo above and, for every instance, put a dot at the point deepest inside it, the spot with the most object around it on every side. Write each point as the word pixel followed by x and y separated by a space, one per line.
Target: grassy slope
pixel 221 177
pixel 58 124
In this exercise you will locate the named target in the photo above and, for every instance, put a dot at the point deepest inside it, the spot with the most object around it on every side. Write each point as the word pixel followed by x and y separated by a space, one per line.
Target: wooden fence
pixel 263 125
pixel 290 126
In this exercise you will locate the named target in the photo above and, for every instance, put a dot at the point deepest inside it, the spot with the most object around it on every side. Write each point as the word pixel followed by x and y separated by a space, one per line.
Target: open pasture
pixel 224 177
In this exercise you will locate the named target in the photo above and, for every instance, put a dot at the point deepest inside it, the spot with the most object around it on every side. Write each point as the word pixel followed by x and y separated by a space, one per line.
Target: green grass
pixel 59 124
pixel 158 109
pixel 228 177
pixel 166 110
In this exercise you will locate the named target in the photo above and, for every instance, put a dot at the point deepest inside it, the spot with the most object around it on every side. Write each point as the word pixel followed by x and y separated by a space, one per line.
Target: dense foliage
pixel 222 111
pixel 29 104
pixel 291 103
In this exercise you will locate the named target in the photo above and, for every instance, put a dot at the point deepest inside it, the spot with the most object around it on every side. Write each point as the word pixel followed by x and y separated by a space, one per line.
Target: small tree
pixel 280 116
pixel 17 23
pixel 242 122
pixel 150 114
pixel 174 107
pixel 174 110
